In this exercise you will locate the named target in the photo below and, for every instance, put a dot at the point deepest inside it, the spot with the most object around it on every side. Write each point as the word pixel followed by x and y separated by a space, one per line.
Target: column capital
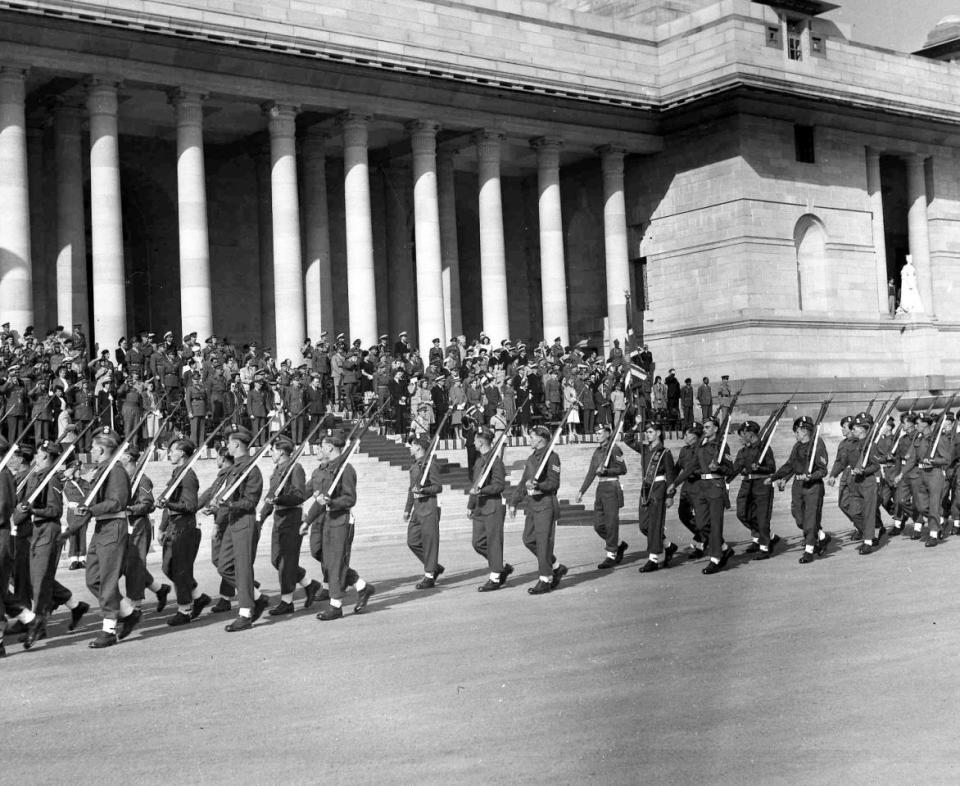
pixel 351 119
pixel 68 116
pixel 915 159
pixel 488 145
pixel 276 109
pixel 424 126
pixel 611 158
pixel 313 141
pixel 13 71
pixel 873 152
pixel 13 84
pixel 188 105
pixel 546 143
pixel 102 95
pixel 281 119
pixel 423 136
pixel 354 128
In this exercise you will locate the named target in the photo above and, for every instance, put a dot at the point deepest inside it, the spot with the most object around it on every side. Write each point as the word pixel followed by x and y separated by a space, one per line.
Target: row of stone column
pixel 302 292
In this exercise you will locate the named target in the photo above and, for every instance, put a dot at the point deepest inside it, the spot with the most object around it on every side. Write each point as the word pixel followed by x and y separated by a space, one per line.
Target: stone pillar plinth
pixel 16 278
pixel 361 278
pixel 430 309
pixel 446 188
pixel 553 275
pixel 72 303
pixel 493 265
pixel 318 286
pixel 196 301
pixel 106 224
pixel 615 242
pixel 287 254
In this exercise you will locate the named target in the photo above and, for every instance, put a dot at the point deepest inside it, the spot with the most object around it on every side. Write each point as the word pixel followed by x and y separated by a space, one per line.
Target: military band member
pixel 755 497
pixel 330 521
pixel 609 495
pixel 540 492
pixel 139 534
pixel 44 514
pixel 488 511
pixel 180 535
pixel 422 512
pixel 687 478
pixel 807 491
pixel 656 495
pixel 711 497
pixel 285 540
pixel 238 548
pixel 108 546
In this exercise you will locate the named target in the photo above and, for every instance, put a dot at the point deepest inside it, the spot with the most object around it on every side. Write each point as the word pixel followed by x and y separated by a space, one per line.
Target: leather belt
pixel 712 477
pixel 607 479
pixel 111 516
pixel 755 477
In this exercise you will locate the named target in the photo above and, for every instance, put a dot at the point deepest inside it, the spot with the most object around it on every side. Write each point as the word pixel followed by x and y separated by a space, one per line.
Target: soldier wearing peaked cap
pixel 539 490
pixel 422 512
pixel 286 493
pixel 487 510
pixel 807 491
pixel 755 497
pixel 238 549
pixel 180 536
pixel 609 495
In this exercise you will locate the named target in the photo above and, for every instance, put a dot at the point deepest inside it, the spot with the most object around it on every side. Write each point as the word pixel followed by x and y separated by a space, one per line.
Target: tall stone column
pixel 72 304
pixel 318 286
pixel 553 275
pixel 450 255
pixel 402 288
pixel 41 281
pixel 361 278
pixel 493 264
pixel 426 211
pixel 918 228
pixel 268 328
pixel 16 278
pixel 879 235
pixel 109 289
pixel 196 301
pixel 615 241
pixel 287 255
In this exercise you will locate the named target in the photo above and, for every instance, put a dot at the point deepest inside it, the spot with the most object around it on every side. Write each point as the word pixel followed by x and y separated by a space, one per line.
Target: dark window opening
pixel 773 37
pixel 804 144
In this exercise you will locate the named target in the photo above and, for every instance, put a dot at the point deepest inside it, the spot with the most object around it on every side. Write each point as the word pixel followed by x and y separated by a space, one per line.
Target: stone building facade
pixel 738 180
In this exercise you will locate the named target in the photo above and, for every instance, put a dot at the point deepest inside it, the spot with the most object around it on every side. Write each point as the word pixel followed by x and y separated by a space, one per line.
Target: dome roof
pixel 946 29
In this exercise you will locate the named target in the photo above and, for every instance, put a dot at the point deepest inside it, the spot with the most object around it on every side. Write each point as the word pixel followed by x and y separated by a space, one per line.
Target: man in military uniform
pixel 242 533
pixel 539 489
pixel 606 465
pixel 422 512
pixel 754 465
pixel 487 510
pixel 656 494
pixel 864 480
pixel 224 467
pixel 933 456
pixel 687 477
pixel 904 506
pixel 286 493
pixel 711 496
pixel 848 456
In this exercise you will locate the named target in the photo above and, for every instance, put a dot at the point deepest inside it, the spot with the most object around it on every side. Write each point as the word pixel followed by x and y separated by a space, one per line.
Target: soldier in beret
pixel 902 476
pixel 933 453
pixel 864 482
pixel 422 512
pixel 606 465
pixel 711 498
pixel 487 510
pixel 754 465
pixel 225 464
pixel 687 477
pixel 656 494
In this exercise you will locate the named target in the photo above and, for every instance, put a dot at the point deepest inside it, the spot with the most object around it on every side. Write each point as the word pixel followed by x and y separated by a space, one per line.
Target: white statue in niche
pixel 909 294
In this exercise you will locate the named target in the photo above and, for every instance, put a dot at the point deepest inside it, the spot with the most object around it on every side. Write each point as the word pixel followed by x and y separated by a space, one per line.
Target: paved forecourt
pixel 843 670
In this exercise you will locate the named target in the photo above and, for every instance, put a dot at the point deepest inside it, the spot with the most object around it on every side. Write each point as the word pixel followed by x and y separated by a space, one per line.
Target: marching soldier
pixel 865 484
pixel 242 533
pixel 227 589
pixel 139 534
pixel 540 491
pixel 933 454
pixel 331 528
pixel 755 497
pixel 904 505
pixel 606 465
pixel 284 503
pixel 656 495
pixel 688 475
pixel 108 546
pixel 807 490
pixel 711 497
pixel 180 535
pixel 848 456
pixel 422 512
pixel 488 512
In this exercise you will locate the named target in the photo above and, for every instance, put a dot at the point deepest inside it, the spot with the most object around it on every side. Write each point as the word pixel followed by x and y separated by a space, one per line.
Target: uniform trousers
pixel 258 424
pixel 22 589
pixel 136 575
pixel 488 535
pixel 423 538
pixel 285 555
pixel 652 516
pixel 45 548
pixel 238 549
pixel 606 510
pixel 685 511
pixel 868 492
pixel 904 505
pixel 955 502
pixel 130 417
pixel 316 542
pixel 337 543
pixel 806 505
pixel 296 429
pixel 180 545
pixel 227 590
pixel 933 486
pixel 6 569
pixel 105 562
pixel 198 430
pixel 539 530
pixel 708 505
pixel 78 542
pixel 755 507
pixel 919 498
pixel 850 503
pixel 14 424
